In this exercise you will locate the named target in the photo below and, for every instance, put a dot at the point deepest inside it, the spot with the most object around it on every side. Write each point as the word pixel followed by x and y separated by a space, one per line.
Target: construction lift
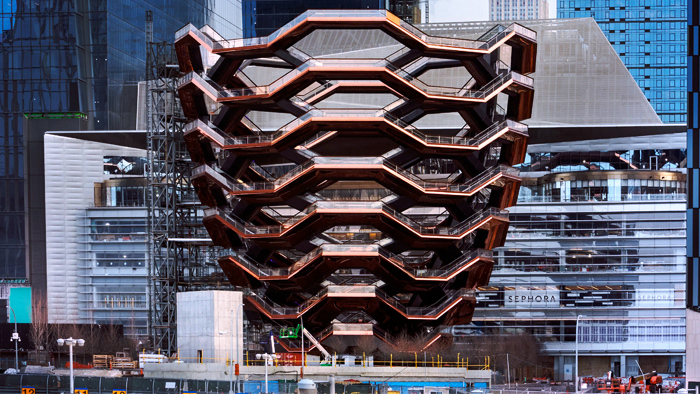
pixel 296 332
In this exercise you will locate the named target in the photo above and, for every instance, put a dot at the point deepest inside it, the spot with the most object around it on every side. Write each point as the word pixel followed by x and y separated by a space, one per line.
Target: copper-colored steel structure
pixel 411 253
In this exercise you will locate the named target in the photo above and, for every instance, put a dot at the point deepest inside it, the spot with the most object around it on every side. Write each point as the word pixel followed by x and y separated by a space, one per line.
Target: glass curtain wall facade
pixel 591 236
pixel 693 301
pixel 113 268
pixel 693 212
pixel 263 17
pixel 599 228
pixel 117 31
pixel 83 58
pixel 650 37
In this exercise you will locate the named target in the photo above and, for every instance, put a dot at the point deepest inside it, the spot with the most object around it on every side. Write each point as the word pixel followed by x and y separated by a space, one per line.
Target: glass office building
pixel 262 17
pixel 112 266
pixel 75 60
pixel 599 229
pixel 650 37
pixel 598 234
pixel 693 213
pixel 96 233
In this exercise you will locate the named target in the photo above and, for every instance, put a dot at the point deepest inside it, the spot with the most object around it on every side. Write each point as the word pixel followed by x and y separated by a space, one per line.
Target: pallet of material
pixel 101 360
pixel 125 364
pixel 132 372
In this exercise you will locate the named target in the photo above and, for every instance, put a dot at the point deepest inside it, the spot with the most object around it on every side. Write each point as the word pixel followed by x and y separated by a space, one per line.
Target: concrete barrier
pixel 219 371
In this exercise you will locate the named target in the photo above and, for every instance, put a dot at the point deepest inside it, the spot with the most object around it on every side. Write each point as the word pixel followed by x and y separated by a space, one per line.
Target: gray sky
pixel 467 10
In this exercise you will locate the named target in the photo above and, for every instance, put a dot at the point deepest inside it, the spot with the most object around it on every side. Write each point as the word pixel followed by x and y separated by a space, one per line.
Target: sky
pixel 467 10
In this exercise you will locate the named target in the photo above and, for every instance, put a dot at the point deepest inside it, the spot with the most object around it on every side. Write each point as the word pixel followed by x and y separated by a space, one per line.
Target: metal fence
pixel 52 384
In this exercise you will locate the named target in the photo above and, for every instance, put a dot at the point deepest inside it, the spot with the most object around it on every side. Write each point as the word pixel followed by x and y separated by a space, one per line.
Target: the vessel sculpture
pixel 407 254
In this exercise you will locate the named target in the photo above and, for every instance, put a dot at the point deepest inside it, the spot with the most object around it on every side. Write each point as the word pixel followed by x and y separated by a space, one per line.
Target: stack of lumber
pixel 123 361
pixel 101 360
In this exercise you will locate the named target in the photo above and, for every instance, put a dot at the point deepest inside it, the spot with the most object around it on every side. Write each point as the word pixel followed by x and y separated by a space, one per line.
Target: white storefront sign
pixel 654 298
pixel 529 298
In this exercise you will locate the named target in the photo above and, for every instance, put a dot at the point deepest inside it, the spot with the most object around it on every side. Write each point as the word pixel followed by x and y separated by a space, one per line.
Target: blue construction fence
pixel 52 384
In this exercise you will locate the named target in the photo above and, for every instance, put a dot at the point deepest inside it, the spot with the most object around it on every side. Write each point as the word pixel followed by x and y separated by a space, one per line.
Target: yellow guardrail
pixel 433 361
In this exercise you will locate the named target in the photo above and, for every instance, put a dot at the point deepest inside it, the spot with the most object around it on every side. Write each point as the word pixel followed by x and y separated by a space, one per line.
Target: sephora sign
pixel 528 298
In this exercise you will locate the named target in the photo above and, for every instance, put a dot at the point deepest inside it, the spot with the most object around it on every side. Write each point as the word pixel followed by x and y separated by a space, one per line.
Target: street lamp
pixel 576 381
pixel 70 342
pixel 302 346
pixel 230 377
pixel 268 361
pixel 15 337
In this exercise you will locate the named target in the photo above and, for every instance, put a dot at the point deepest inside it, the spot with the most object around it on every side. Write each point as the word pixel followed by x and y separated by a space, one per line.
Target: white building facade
pixel 96 233
pixel 502 10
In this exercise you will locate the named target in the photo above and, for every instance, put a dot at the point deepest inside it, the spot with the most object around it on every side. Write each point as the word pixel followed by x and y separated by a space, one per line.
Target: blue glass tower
pixel 650 37
pixel 263 17
pixel 79 61
pixel 693 215
pixel 692 301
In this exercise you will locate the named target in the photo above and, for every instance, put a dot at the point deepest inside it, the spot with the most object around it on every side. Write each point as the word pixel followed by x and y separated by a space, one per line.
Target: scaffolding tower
pixel 180 254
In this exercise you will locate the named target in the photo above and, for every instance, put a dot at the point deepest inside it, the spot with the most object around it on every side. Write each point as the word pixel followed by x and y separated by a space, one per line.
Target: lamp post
pixel 238 315
pixel 15 338
pixel 576 372
pixel 268 360
pixel 70 342
pixel 234 339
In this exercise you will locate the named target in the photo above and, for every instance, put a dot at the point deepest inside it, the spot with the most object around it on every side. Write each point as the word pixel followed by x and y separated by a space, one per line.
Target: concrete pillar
pixel 623 365
pixel 684 364
pixel 632 367
pixel 204 323
pixel 558 368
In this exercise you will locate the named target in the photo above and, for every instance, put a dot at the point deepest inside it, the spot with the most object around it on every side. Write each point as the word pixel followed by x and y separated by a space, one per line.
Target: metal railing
pixel 608 198
pixel 458 230
pixel 461 43
pixel 190 28
pixel 474 141
pixel 371 291
pixel 480 93
pixel 473 185
pixel 403 262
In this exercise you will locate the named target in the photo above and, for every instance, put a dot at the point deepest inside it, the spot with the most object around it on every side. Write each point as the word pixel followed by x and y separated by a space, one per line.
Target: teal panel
pixel 21 302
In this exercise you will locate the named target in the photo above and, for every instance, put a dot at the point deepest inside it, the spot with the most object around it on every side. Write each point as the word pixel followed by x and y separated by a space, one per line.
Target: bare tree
pixel 93 338
pixel 39 334
pixel 406 346
pixel 337 343
pixel 524 351
pixel 521 351
pixel 54 332
pixel 365 345
pixel 112 340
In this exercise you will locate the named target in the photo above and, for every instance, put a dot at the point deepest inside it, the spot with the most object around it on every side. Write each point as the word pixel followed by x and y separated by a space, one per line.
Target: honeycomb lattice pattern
pixel 356 215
